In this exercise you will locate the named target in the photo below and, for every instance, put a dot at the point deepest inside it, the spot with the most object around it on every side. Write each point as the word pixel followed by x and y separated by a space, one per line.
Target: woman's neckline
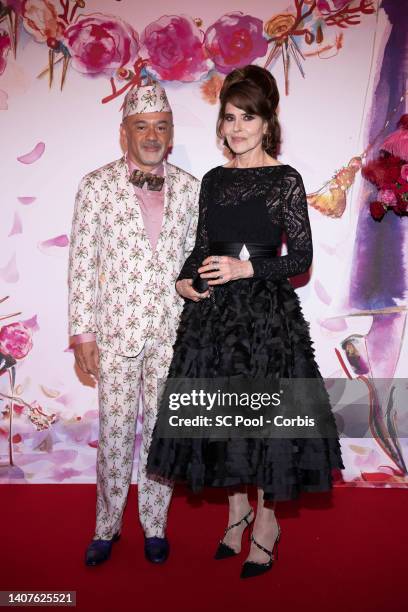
pixel 254 167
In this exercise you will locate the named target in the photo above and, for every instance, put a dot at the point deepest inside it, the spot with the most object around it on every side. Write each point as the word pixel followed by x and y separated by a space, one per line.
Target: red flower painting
pixel 173 47
pixel 100 44
pixel 235 40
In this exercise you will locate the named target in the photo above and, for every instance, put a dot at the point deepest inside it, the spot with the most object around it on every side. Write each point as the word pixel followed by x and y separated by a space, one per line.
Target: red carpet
pixel 341 551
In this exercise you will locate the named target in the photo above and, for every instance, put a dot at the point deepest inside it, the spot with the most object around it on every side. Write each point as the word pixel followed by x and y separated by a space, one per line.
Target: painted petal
pixel 360 450
pixel 32 323
pixel 32 156
pixel 322 293
pixel 53 245
pixel 335 325
pixel 17 227
pixel 22 388
pixel 26 200
pixel 10 273
pixel 53 393
pixel 3 100
pixel 60 241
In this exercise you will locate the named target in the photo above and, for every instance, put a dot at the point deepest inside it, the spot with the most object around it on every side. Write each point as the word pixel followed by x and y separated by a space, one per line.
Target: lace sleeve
pixel 295 221
pixel 200 250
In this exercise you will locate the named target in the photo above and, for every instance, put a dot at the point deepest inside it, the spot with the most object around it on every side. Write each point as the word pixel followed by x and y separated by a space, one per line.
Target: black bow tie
pixel 154 182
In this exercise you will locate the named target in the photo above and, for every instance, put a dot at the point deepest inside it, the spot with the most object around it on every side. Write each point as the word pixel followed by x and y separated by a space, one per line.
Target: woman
pixel 252 325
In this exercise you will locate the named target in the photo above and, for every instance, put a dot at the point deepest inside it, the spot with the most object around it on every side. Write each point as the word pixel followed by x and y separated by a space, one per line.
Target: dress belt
pixel 243 250
pixel 240 250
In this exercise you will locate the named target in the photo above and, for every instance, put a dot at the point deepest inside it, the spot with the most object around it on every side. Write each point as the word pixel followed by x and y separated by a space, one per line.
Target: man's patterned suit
pixel 122 290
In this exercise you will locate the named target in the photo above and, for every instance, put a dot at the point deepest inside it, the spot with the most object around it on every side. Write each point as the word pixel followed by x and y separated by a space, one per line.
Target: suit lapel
pixel 131 199
pixel 168 205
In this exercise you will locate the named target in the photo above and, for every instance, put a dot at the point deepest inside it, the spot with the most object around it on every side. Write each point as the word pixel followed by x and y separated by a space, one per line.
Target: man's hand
pixel 219 270
pixel 87 358
pixel 185 289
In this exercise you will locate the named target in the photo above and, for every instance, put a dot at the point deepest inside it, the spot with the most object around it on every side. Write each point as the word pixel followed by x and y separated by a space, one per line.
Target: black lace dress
pixel 256 330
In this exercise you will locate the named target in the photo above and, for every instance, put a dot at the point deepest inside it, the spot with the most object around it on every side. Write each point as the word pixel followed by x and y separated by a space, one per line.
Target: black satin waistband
pixel 233 249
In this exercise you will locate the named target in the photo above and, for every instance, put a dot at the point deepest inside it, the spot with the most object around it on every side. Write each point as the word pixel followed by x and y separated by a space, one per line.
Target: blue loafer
pixel 99 550
pixel 156 550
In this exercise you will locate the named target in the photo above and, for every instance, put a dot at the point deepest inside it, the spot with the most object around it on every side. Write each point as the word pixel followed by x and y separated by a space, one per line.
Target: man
pixel 134 225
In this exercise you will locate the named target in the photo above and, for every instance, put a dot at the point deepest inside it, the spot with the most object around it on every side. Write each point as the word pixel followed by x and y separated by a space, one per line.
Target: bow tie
pixel 154 182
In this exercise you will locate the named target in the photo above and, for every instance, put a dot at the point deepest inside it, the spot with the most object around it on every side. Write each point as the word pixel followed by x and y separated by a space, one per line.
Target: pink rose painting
pixel 15 340
pixel 173 46
pixel 235 40
pixel 101 44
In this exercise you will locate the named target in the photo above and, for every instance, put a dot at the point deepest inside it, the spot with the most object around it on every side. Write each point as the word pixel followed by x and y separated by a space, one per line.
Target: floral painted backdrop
pixel 65 67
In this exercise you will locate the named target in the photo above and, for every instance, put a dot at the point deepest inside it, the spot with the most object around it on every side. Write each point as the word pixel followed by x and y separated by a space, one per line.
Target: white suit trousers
pixel 121 382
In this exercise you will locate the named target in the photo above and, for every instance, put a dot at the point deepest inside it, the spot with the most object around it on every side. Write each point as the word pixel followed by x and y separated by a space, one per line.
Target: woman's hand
pixel 219 270
pixel 185 289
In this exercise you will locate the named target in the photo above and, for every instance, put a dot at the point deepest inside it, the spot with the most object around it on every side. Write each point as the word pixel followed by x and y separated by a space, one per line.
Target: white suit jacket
pixel 119 288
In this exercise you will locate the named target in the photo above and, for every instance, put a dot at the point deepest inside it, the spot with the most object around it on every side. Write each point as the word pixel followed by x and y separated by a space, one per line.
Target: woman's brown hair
pixel 253 89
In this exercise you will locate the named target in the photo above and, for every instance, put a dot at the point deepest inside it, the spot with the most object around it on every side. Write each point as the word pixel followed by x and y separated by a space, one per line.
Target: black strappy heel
pixel 224 551
pixel 251 568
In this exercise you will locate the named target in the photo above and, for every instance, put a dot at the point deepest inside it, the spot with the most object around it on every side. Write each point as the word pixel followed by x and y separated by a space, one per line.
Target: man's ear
pixel 123 138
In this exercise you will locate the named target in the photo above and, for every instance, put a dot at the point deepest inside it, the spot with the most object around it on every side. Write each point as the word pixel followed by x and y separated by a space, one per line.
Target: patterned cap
pixel 146 99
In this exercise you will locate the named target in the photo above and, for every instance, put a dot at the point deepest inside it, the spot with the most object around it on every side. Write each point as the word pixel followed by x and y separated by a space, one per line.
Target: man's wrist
pixel 81 338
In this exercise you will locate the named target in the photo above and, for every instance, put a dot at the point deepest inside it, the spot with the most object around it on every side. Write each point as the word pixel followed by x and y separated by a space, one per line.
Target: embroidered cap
pixel 146 99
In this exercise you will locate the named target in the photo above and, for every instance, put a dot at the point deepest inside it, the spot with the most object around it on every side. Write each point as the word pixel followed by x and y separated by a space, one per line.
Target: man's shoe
pixel 99 550
pixel 156 550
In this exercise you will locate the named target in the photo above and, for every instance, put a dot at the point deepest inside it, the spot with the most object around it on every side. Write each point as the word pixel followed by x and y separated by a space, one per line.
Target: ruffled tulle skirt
pixel 251 328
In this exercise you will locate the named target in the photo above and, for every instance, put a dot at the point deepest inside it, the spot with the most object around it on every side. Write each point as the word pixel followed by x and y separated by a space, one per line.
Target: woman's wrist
pixel 247 269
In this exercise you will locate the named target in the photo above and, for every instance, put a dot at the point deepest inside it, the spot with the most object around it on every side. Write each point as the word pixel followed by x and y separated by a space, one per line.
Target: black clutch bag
pixel 200 284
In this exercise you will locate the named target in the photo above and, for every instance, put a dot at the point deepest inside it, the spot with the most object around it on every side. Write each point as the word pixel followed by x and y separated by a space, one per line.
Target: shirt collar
pixel 159 170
